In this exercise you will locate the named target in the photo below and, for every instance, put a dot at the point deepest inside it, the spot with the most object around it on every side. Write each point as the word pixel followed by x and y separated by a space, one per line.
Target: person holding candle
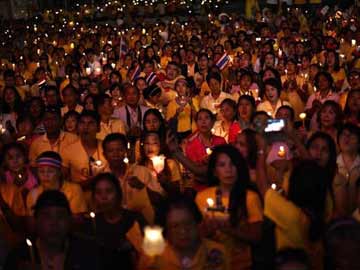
pixel 89 159
pixel 141 190
pixel 168 171
pixel 116 227
pixel 333 66
pixel 108 124
pixel 352 107
pixel 54 139
pixel 273 101
pixel 237 215
pixel 184 248
pixel 54 247
pixel 48 167
pixel 35 108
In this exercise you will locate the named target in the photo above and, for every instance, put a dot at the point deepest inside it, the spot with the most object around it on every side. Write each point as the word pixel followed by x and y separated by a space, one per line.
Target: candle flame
pixel 92 215
pixel 302 116
pixel 28 242
pixel 210 202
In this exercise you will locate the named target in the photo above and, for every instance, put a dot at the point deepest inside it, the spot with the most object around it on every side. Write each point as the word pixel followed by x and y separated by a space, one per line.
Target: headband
pixel 48 161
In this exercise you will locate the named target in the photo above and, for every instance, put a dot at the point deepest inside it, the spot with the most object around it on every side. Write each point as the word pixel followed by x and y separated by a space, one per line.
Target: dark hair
pixel 327 75
pixel 338 113
pixel 71 113
pixel 237 201
pixel 15 145
pixel 292 255
pixel 111 178
pixel 308 186
pixel 100 100
pixel 18 104
pixel 291 111
pixel 52 110
pixel 331 166
pixel 178 202
pixel 212 116
pixel 337 60
pixel 274 83
pixel 51 198
pixel 158 115
pixel 250 136
pixel 114 137
pixel 93 114
pixel 352 129
pixel 347 111
pixel 213 75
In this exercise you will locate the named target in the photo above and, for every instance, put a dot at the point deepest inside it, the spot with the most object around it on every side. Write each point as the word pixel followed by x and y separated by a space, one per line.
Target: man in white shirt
pixel 213 100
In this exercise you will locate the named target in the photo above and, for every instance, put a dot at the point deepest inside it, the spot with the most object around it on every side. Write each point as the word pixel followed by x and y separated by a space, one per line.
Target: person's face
pixel 225 170
pixel 182 89
pixel 245 109
pixel 35 108
pixel 71 124
pixel 182 230
pixel 271 93
pixel 114 152
pixel 283 113
pixel 89 104
pixel 49 176
pixel 245 82
pixel 190 57
pixel 51 122
pixel 331 59
pixel 53 225
pixel 319 152
pixel 152 145
pixel 171 72
pixel 323 83
pixel 141 85
pixel 69 97
pixel 155 99
pixel 204 122
pixel 348 142
pixel 291 67
pixel 354 102
pixel 131 96
pixel 9 95
pixel 106 108
pixel 214 86
pixel 227 112
pixel 242 145
pixel 25 128
pixel 15 160
pixel 75 76
pixel 152 123
pixel 148 68
pixel 327 116
pixel 93 88
pixel 267 75
pixel 87 127
pixel 269 60
pixel 203 63
pixel 105 196
pixel 51 98
pixel 354 81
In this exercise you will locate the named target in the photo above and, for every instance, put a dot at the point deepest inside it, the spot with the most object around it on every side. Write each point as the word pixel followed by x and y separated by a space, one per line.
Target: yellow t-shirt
pixel 114 126
pixel 78 162
pixel 42 144
pixel 72 191
pixel 169 259
pixel 12 196
pixel 185 121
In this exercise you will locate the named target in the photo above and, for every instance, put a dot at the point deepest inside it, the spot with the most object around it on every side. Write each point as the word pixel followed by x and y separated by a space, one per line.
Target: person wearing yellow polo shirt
pixel 184 247
pixel 54 139
pixel 84 158
pixel 140 188
pixel 108 124
pixel 49 172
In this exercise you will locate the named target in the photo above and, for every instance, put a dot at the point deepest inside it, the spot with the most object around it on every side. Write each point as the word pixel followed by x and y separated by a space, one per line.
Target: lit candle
pixel 353 42
pixel 273 186
pixel 158 163
pixel 315 89
pixel 113 65
pixel 2 129
pixel 208 151
pixel 98 70
pixel 88 71
pixel 280 53
pixel 31 251
pixel 21 138
pixel 93 221
pixel 281 152
pixel 126 160
pixel 303 117
pixel 210 202
pixel 154 243
pixel 98 163
pixel 72 45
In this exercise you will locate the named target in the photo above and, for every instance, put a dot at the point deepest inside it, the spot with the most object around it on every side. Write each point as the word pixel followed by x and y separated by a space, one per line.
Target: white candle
pixel 113 65
pixel 208 151
pixel 88 71
pixel 154 243
pixel 72 45
pixel 31 250
pixel 93 221
pixel 126 160
pixel 158 163
pixel 210 202
pixel 273 186
pixel 353 42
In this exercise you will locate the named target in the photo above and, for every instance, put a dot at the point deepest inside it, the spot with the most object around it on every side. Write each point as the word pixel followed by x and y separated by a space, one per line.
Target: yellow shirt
pixel 185 121
pixel 72 191
pixel 114 126
pixel 42 144
pixel 210 255
pixel 292 226
pixel 12 196
pixel 78 162
pixel 65 109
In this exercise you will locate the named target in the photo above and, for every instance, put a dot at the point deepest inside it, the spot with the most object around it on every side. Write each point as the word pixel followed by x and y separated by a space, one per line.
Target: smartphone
pixel 274 125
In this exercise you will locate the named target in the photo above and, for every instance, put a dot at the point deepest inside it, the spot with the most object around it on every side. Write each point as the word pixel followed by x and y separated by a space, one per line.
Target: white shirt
pixel 268 108
pixel 135 119
pixel 208 102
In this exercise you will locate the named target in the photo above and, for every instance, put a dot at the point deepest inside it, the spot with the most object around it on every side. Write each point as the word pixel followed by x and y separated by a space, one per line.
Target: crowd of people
pixel 237 137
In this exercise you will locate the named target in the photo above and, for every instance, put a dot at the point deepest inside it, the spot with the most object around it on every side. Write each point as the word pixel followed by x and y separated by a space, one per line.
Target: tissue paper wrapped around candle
pixel 158 163
pixel 154 243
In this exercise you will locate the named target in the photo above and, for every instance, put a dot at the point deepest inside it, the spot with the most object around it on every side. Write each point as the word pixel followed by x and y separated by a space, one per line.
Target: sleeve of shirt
pixel 77 202
pixel 175 170
pixel 170 110
pixel 281 211
pixel 121 127
pixel 254 207
pixel 32 153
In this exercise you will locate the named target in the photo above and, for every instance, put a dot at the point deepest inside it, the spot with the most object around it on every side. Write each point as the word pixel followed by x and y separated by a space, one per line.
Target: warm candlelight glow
pixel 72 45
pixel 210 202
pixel 28 242
pixel 353 42
pixel 302 116
pixel 158 163
pixel 281 152
pixel 92 215
pixel 208 151
pixel 154 243
pixel 273 186
pixel 126 160
pixel 98 163
pixel 88 71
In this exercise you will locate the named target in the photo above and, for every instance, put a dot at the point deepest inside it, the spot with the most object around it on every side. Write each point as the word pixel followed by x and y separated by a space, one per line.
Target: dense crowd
pixel 238 137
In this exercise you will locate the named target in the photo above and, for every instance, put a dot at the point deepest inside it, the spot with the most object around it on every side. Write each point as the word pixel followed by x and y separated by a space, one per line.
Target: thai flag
pixel 223 61
pixel 135 73
pixel 123 48
pixel 151 78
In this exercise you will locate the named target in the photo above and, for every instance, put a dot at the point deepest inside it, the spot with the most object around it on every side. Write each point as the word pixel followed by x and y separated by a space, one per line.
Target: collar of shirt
pixel 341 164
pixel 61 137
